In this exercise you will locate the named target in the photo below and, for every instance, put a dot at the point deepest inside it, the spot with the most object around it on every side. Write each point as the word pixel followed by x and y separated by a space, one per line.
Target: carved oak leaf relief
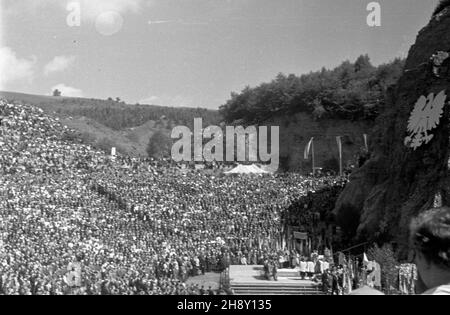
pixel 424 118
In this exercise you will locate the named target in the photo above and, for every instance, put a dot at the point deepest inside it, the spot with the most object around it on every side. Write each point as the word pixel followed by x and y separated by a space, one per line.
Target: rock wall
pixel 398 182
pixel 297 130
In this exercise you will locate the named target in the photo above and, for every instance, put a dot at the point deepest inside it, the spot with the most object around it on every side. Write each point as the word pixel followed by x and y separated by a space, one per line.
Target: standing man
pixel 275 271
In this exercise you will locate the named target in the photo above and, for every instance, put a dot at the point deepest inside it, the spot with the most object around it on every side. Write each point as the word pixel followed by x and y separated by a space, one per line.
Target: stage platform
pixel 250 280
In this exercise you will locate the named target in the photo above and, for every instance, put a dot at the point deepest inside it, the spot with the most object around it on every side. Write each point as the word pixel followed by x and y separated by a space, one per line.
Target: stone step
pixel 280 292
pixel 274 287
pixel 286 273
pixel 255 293
pixel 249 280
pixel 275 290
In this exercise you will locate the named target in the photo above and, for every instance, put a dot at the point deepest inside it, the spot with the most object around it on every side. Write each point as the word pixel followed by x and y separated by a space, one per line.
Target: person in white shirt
pixel 323 265
pixel 296 261
pixel 311 269
pixel 430 238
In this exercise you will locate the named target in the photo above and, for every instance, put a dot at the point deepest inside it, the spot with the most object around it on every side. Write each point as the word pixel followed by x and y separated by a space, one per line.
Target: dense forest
pixel 352 91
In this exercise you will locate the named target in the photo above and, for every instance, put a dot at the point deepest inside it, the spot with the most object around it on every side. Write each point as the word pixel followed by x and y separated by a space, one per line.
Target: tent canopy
pixel 247 169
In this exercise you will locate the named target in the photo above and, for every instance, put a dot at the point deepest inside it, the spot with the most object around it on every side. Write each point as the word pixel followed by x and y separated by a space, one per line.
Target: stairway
pixel 249 280
pixel 275 289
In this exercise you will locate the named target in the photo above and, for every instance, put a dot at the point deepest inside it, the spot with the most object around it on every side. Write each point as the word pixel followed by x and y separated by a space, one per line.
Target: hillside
pixel 107 123
pixel 113 114
pixel 102 137
pixel 352 91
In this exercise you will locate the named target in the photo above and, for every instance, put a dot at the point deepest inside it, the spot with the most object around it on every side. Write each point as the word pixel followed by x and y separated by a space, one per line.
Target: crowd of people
pixel 75 221
pixel 128 227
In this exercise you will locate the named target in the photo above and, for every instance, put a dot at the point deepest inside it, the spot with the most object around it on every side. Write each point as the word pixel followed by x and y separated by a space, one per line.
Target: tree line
pixel 118 115
pixel 351 91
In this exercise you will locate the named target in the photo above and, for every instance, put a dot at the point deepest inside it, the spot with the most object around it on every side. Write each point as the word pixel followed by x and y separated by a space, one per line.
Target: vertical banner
pixel 339 143
pixel 366 143
pixel 310 148
pixel 113 153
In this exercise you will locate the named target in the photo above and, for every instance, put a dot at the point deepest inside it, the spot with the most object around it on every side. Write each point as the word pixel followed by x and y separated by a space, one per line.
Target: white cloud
pixel 68 90
pixel 58 64
pixel 14 68
pixel 90 9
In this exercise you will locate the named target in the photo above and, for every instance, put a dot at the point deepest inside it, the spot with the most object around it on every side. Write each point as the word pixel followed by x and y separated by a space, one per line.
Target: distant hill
pixel 108 123
pixel 113 114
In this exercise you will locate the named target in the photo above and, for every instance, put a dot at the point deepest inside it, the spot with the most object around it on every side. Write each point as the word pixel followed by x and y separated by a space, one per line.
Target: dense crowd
pixel 73 220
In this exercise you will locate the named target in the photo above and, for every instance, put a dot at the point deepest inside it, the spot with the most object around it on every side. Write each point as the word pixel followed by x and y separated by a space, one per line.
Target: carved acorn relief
pixel 424 118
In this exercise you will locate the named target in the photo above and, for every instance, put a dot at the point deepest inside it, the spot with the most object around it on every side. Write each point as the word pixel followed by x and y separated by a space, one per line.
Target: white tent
pixel 247 169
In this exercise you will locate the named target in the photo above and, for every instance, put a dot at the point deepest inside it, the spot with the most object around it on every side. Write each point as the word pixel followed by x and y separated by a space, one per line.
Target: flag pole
pixel 313 159
pixel 366 145
pixel 339 141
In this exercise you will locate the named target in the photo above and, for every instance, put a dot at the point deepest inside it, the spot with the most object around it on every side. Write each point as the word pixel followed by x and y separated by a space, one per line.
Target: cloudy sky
pixel 190 52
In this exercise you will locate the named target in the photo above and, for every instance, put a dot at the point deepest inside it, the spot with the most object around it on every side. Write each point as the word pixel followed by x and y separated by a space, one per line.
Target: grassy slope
pixel 131 141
